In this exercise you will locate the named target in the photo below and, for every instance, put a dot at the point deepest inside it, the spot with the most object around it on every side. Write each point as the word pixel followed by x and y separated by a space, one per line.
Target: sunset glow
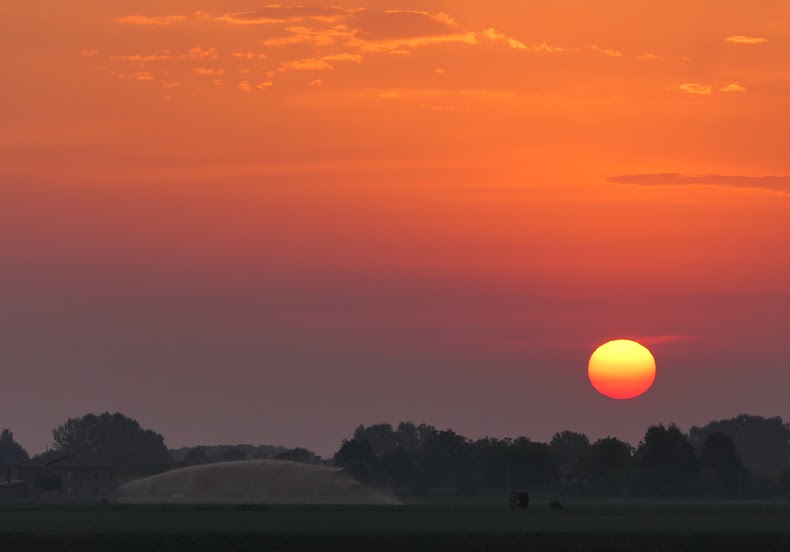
pixel 391 210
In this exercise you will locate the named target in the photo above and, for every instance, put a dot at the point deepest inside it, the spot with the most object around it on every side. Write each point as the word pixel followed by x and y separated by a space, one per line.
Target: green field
pixel 589 525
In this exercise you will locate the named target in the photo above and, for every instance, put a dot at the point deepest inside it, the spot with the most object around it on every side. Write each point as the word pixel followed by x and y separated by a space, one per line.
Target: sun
pixel 622 369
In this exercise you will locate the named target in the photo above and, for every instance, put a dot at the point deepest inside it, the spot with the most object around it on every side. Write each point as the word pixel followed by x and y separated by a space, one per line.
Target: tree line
pixel 120 441
pixel 746 456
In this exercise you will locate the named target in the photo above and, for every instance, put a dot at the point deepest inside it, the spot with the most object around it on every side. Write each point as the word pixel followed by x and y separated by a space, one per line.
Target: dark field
pixel 601 525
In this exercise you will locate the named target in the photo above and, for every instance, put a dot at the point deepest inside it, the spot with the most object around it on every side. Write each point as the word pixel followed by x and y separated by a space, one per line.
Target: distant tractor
pixel 519 499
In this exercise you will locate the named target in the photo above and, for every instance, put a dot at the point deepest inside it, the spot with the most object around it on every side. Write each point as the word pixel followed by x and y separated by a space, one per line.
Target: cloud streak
pixel 771 183
pixel 733 87
pixel 277 14
pixel 196 53
pixel 607 51
pixel 741 39
pixel 308 64
pixel 161 21
pixel 696 89
pixel 663 339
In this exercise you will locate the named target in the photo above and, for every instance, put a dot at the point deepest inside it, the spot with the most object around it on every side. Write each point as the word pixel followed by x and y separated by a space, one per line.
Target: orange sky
pixel 301 212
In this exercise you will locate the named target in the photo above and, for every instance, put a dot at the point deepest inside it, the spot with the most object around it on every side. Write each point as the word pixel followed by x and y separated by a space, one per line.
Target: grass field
pixel 588 525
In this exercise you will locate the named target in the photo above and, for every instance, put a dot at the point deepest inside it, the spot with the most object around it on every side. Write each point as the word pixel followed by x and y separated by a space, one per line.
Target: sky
pixel 241 222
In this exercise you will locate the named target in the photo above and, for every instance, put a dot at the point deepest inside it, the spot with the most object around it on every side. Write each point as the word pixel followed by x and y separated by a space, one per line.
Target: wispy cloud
pixel 319 63
pixel 345 56
pixel 650 340
pixel 320 39
pixel 407 45
pixel 544 48
pixel 696 89
pixel 162 20
pixel 201 53
pixel 196 53
pixel 741 39
pixel 773 183
pixel 663 339
pixel 276 13
pixel 493 36
pixel 142 58
pixel 308 35
pixel 308 64
pixel 140 76
pixel 208 71
pixel 607 51
pixel 399 32
pixel 248 54
pixel 733 87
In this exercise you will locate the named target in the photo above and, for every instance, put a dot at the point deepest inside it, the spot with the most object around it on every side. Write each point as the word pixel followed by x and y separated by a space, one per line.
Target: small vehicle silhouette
pixel 519 499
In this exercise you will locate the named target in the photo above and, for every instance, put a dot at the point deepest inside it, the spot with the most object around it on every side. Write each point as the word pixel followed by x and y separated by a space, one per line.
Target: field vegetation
pixel 464 525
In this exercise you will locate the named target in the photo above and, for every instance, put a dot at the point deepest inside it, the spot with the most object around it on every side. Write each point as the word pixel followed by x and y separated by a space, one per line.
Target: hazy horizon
pixel 245 223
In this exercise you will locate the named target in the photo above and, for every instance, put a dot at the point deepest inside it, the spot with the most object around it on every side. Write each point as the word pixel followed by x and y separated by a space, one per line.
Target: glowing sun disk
pixel 622 369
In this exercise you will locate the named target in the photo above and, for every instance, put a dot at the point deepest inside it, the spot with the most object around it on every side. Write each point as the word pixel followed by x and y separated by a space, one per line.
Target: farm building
pixel 66 477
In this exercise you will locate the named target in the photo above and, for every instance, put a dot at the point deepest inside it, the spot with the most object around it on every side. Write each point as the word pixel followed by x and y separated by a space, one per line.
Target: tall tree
pixel 382 438
pixel 112 439
pixel 762 443
pixel 607 464
pixel 412 437
pixel 667 465
pixel 570 448
pixel 722 469
pixel 11 452
pixel 356 457
pixel 784 481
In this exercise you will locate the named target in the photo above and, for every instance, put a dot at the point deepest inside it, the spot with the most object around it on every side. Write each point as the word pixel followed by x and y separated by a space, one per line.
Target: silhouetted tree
pixel 441 461
pixel 301 455
pixel 667 465
pixel 11 452
pixel 261 452
pixel 762 443
pixel 412 437
pixel 532 464
pixel 570 448
pixel 383 440
pixel 402 470
pixel 722 469
pixel 421 458
pixel 356 457
pixel 196 455
pixel 111 439
pixel 490 460
pixel 233 454
pixel 784 482
pixel 607 464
